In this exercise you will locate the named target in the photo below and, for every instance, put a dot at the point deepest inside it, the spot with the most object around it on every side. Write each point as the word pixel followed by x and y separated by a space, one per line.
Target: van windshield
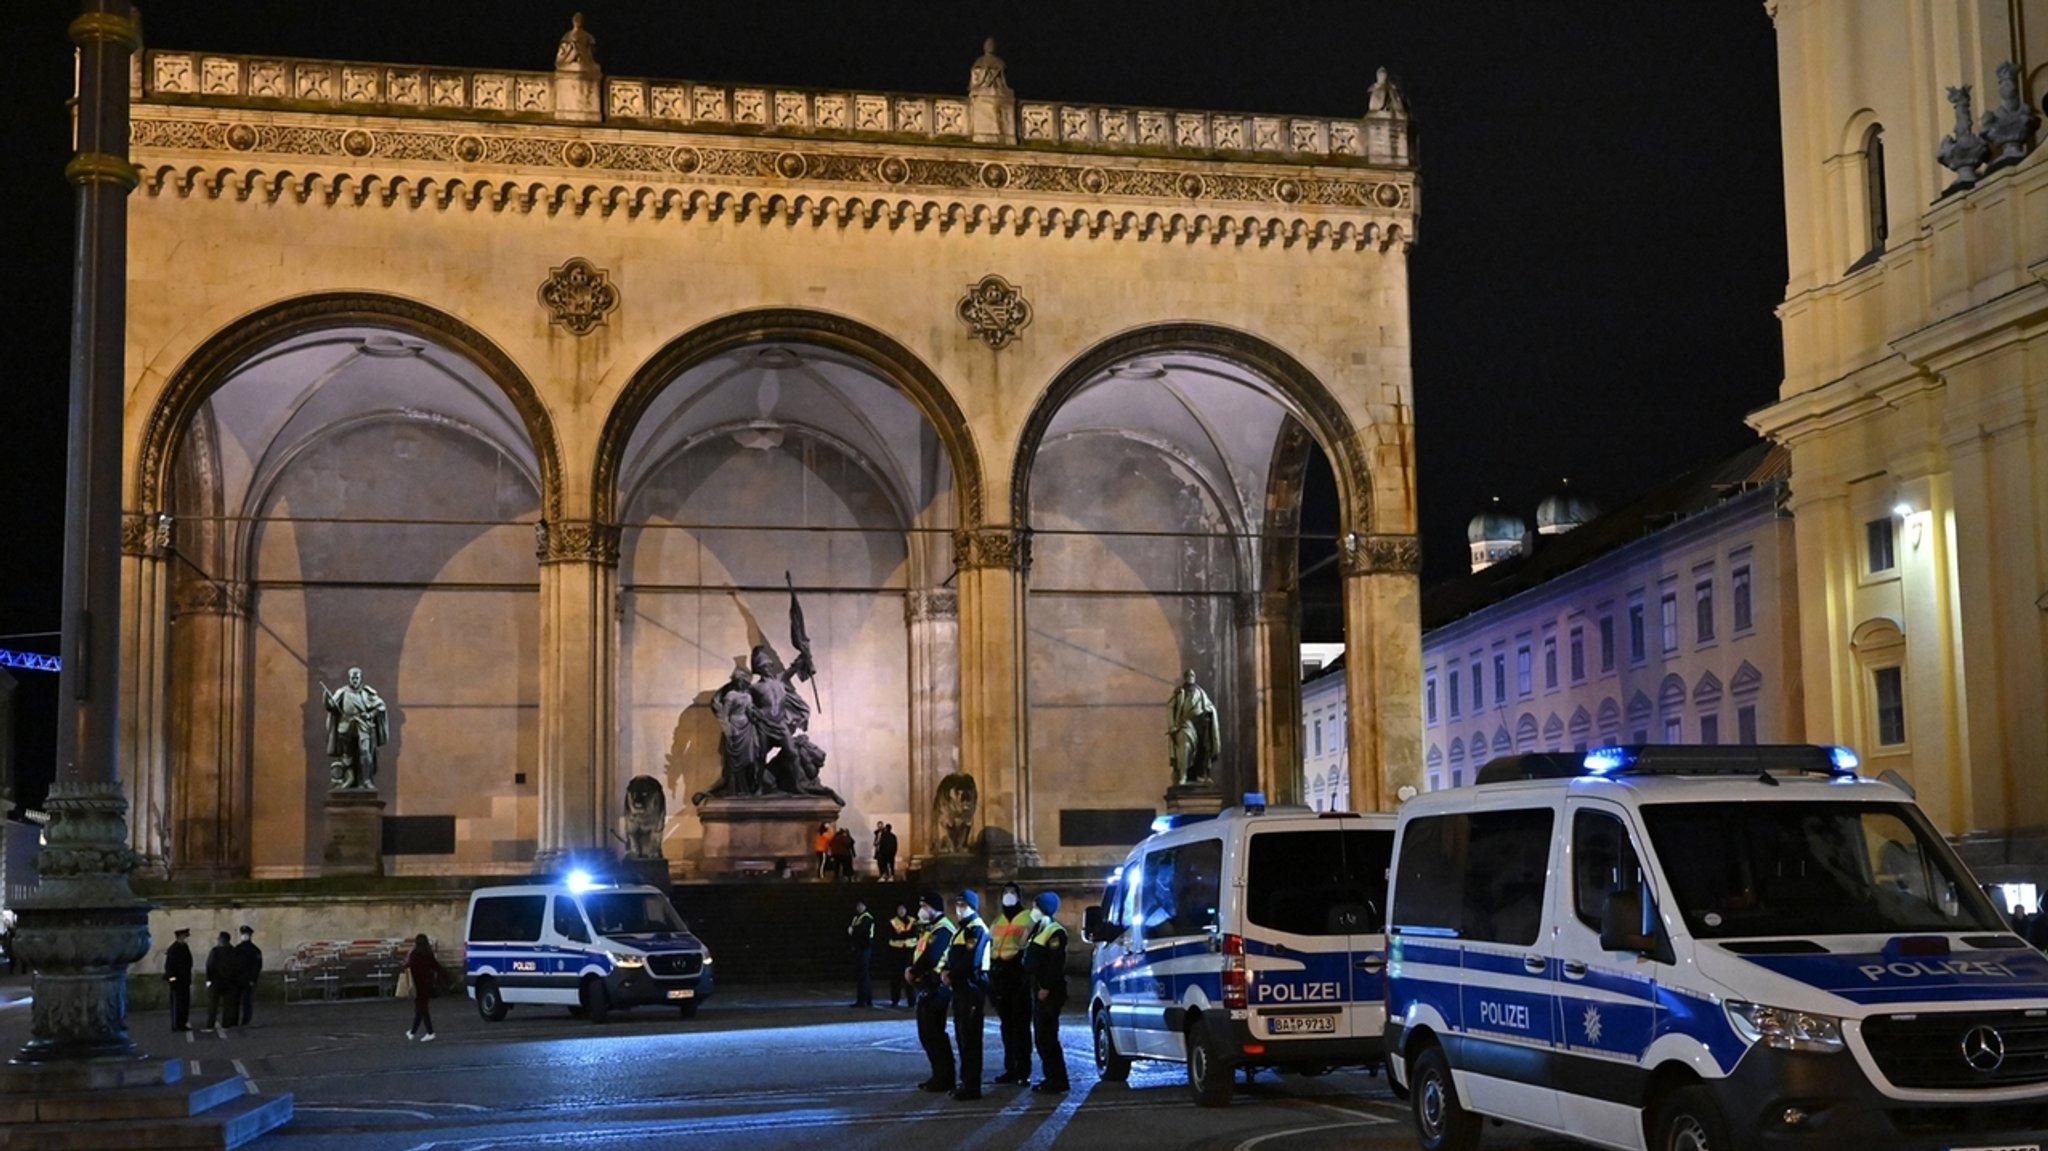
pixel 1804 869
pixel 1318 882
pixel 631 913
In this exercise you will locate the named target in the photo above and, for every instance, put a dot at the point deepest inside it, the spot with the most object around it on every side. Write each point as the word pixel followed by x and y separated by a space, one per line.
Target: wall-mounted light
pixel 1902 510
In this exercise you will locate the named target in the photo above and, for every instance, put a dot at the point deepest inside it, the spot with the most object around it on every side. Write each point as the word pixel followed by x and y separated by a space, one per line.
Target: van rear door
pixel 1313 898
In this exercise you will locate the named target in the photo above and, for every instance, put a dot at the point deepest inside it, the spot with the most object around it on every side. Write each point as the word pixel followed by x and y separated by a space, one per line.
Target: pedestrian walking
pixel 822 844
pixel 885 851
pixel 1045 965
pixel 903 935
pixel 249 966
pixel 1008 931
pixel 427 973
pixel 861 933
pixel 842 853
pixel 223 993
pixel 178 977
pixel 935 937
pixel 967 978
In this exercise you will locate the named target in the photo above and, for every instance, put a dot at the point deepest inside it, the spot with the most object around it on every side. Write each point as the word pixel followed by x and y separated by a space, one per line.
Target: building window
pixel 1875 229
pixel 1429 698
pixel 1606 643
pixel 1879 536
pixel 1674 731
pixel 1745 724
pixel 1637 649
pixel 1523 686
pixel 1500 678
pixel 1891 706
pixel 1738 596
pixel 1478 691
pixel 1639 735
pixel 1710 729
pixel 1577 654
pixel 1453 693
pixel 1319 737
pixel 1703 610
pixel 1667 619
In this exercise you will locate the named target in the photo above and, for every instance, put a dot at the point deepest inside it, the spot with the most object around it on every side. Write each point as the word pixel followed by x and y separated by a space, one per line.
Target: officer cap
pixel 971 899
pixel 933 900
pixel 182 932
pixel 1047 902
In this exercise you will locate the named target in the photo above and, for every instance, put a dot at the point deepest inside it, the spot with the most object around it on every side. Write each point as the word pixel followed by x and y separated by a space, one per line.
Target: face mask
pixel 924 915
pixel 959 911
pixel 1037 916
pixel 1009 900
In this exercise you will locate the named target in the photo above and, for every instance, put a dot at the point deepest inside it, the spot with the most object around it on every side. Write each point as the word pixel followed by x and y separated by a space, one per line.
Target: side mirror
pixel 1621 924
pixel 1096 927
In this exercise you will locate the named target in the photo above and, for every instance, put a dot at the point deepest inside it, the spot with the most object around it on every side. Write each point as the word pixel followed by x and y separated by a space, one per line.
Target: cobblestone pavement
pixel 758 1069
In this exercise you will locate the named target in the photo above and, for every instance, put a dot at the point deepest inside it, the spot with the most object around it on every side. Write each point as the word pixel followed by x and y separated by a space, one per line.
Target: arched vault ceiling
pixel 289 394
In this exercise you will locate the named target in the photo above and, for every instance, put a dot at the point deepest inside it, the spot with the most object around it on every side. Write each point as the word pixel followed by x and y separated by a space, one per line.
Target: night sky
pixel 1600 249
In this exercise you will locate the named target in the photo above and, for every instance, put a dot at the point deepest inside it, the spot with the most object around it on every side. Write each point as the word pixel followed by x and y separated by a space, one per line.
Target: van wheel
pixel 1114 1068
pixel 1441 1122
pixel 1209 1075
pixel 1689 1121
pixel 596 1001
pixel 489 1003
pixel 688 1010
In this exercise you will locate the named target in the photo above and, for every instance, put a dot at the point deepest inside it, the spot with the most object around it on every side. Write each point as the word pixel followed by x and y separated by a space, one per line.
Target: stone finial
pixel 2009 128
pixel 1389 136
pixel 1963 150
pixel 989 74
pixel 991 105
pixel 577 51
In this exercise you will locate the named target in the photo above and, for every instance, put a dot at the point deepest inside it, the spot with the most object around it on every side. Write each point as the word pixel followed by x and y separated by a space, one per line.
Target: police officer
pixel 967 977
pixel 248 974
pixel 861 933
pixel 223 987
pixel 903 934
pixel 178 977
pixel 1008 991
pixel 935 936
pixel 1045 965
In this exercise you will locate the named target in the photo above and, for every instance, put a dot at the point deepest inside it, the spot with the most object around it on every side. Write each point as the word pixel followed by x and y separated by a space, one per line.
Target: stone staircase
pixel 134 1105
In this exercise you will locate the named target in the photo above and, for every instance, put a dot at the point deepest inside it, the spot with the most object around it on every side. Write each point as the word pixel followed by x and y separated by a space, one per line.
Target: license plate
pixel 1301 1025
pixel 683 993
pixel 2001 1147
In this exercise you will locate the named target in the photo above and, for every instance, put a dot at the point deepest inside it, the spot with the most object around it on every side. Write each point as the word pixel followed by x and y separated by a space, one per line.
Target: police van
pixel 1252 939
pixel 1686 948
pixel 589 946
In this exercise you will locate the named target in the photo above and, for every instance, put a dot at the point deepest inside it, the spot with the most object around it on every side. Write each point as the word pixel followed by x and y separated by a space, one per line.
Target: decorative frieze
pixel 576 541
pixel 922 604
pixel 976 549
pixel 1380 554
pixel 578 295
pixel 145 534
pixel 994 310
pixel 202 596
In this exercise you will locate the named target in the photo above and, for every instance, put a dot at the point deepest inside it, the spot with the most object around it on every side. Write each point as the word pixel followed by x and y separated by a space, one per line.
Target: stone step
pixel 228 1125
pixel 173 1101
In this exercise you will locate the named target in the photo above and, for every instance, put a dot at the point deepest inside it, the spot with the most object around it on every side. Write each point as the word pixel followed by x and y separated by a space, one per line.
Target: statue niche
pixel 764 742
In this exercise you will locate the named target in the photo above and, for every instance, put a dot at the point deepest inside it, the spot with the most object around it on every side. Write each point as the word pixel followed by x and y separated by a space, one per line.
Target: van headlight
pixel 1784 1028
pixel 619 960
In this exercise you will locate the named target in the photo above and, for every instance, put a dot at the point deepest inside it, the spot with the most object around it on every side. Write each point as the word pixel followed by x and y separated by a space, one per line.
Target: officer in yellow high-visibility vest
pixel 1008 930
pixel 967 978
pixel 1045 966
pixel 934 941
pixel 903 933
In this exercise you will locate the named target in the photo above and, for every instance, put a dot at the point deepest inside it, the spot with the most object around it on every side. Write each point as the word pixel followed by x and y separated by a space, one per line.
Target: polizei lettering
pixel 1299 992
pixel 1514 1016
pixel 1923 968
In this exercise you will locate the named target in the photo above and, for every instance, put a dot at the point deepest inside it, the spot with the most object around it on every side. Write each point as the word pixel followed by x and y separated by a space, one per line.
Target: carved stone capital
pixel 202 596
pixel 992 547
pixel 577 541
pixel 578 295
pixel 923 604
pixel 145 534
pixel 994 310
pixel 1380 554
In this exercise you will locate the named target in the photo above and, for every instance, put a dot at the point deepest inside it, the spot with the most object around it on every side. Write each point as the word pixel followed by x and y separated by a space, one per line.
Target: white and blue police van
pixel 590 946
pixel 1248 940
pixel 1690 948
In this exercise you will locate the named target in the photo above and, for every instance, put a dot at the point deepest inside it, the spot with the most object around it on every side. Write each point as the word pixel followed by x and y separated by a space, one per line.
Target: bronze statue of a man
pixel 1193 735
pixel 357 724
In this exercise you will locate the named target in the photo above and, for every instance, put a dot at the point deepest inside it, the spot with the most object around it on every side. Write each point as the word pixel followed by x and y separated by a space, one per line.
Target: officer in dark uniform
pixel 248 973
pixel 178 977
pixel 1009 929
pixel 861 933
pixel 1045 964
pixel 935 937
pixel 967 978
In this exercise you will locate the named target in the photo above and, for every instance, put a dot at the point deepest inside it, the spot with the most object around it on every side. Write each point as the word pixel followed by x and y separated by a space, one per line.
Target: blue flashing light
pixel 1602 760
pixel 1255 802
pixel 1844 760
pixel 580 881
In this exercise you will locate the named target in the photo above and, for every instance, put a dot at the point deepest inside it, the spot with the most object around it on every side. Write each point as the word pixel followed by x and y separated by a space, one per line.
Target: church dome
pixel 1496 527
pixel 1563 512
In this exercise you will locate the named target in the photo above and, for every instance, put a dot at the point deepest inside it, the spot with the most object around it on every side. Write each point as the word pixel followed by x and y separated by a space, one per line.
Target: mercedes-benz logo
pixel 1983 1048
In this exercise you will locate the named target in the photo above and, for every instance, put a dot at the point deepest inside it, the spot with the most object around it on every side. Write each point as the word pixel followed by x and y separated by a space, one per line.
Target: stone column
pixel 991 561
pixel 579 587
pixel 1270 622
pixel 145 677
pixel 208 757
pixel 932 619
pixel 1383 667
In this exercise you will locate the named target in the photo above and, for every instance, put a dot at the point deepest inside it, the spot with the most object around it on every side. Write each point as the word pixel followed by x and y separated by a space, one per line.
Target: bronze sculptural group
pixel 764 741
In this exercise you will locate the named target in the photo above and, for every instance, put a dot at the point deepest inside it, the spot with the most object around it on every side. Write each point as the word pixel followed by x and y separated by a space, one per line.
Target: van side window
pixel 1431 873
pixel 1181 886
pixel 1113 903
pixel 569 920
pixel 1604 863
pixel 1505 864
pixel 508 918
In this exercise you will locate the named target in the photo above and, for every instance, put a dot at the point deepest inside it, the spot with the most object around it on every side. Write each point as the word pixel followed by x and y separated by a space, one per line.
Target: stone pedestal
pixel 1194 799
pixel 760 836
pixel 355 834
pixel 652 872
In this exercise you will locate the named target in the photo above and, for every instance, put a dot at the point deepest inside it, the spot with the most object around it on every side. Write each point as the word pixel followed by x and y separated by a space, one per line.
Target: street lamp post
pixel 82 925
